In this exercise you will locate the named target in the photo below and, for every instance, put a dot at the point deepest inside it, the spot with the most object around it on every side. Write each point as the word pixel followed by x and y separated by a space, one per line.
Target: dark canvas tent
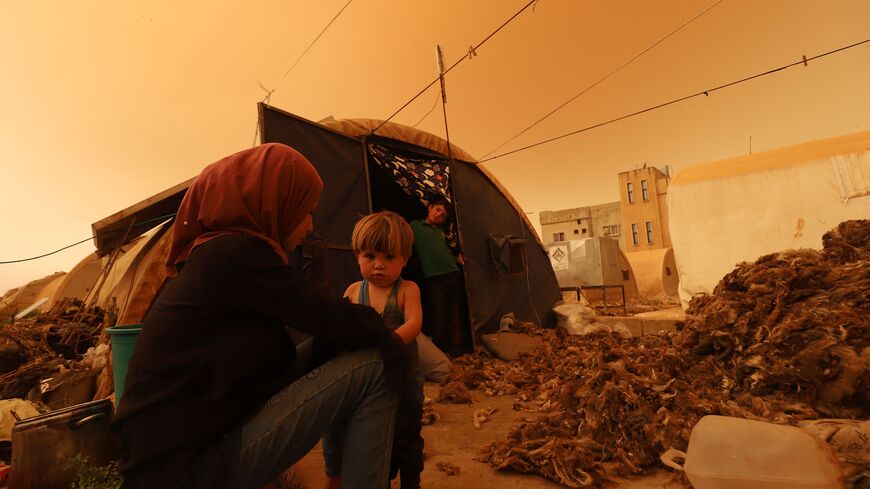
pixel 506 267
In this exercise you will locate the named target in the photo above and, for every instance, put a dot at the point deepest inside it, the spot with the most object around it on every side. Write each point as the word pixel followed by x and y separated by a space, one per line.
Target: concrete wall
pixel 639 210
pixel 740 209
pixel 583 222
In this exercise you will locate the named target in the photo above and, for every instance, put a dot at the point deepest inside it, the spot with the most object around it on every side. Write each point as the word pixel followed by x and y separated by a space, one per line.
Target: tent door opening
pixel 404 181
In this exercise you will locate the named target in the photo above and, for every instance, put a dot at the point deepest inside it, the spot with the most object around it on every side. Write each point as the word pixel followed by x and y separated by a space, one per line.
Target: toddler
pixel 382 243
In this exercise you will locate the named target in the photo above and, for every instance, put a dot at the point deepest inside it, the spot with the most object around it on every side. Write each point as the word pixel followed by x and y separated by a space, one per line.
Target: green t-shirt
pixel 430 245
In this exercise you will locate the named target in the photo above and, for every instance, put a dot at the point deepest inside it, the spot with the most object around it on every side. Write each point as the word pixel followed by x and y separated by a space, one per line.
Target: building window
pixel 576 231
pixel 558 237
pixel 584 230
pixel 644 190
pixel 649 232
pixel 634 235
pixel 611 230
pixel 630 187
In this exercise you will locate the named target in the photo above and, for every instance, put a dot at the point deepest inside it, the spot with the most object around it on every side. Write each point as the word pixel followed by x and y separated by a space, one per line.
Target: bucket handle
pixel 87 419
pixel 668 457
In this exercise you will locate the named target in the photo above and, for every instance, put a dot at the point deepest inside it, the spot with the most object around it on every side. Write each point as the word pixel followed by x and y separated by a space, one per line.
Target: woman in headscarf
pixel 210 399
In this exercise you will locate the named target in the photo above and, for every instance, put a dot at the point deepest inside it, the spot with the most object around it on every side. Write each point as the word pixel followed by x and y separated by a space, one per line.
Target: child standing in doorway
pixel 382 243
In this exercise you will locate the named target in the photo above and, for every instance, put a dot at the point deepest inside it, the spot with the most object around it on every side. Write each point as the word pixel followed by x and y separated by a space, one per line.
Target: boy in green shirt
pixel 442 279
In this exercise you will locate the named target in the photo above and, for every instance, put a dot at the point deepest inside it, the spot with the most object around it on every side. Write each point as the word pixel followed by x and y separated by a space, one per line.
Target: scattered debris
pixel 456 393
pixel 784 339
pixel 41 346
pixel 582 320
pixel 851 440
pixel 482 416
pixel 429 414
pixel 448 468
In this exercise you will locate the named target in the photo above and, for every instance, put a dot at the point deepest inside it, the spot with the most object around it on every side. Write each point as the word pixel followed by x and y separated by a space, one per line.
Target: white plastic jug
pixel 736 453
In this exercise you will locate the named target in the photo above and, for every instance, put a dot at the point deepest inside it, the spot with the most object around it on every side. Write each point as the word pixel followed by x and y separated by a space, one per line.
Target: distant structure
pixel 643 194
pixel 603 220
pixel 638 222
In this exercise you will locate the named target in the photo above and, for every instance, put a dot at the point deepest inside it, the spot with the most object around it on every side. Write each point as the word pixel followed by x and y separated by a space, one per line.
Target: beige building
pixel 643 194
pixel 741 208
pixel 603 220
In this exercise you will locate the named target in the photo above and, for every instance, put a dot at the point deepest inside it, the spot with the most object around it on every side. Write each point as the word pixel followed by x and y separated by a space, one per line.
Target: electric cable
pixel 804 60
pixel 471 52
pixel 161 218
pixel 306 50
pixel 269 93
pixel 434 104
pixel 590 87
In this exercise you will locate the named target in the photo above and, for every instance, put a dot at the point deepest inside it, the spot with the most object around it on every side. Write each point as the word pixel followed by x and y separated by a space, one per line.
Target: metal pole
pixel 439 55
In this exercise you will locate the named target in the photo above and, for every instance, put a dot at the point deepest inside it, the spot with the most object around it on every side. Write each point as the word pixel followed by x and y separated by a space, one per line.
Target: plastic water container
pixel 123 340
pixel 736 453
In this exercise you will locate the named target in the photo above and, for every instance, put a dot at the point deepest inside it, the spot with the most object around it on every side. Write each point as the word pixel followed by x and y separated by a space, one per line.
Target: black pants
pixel 445 317
pixel 407 458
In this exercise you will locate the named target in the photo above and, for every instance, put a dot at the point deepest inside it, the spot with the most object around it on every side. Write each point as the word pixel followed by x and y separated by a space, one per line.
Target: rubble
pixel 482 416
pixel 455 392
pixel 448 468
pixel 430 416
pixel 41 346
pixel 784 339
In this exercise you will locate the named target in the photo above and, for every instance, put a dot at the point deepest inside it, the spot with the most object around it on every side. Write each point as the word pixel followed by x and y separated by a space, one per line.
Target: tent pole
pixel 439 55
pixel 365 151
pixel 440 58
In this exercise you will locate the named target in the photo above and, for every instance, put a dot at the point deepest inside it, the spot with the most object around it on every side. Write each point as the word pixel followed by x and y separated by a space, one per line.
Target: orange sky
pixel 106 103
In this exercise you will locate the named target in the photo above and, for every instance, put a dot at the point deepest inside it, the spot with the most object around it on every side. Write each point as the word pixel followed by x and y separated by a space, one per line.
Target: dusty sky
pixel 103 104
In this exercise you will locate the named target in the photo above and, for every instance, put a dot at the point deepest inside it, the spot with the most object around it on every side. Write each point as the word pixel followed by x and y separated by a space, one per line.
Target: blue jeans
pixel 349 390
pixel 407 444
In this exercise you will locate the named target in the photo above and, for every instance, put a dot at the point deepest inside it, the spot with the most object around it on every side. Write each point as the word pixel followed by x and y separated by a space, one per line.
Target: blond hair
pixel 383 232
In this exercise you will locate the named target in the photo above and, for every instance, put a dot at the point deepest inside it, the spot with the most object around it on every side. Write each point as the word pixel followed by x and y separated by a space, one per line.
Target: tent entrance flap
pixel 341 162
pixel 503 273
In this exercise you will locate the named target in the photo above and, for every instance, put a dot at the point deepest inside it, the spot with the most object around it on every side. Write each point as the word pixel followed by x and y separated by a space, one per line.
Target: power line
pixel 47 254
pixel 590 87
pixel 471 52
pixel 434 104
pixel 269 93
pixel 161 218
pixel 804 60
pixel 306 50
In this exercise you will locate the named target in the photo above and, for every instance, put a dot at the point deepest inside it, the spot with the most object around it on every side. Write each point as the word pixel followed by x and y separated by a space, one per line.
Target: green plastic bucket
pixel 123 339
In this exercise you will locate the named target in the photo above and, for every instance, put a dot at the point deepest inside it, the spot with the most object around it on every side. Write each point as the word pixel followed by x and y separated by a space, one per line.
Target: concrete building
pixel 741 208
pixel 643 195
pixel 603 220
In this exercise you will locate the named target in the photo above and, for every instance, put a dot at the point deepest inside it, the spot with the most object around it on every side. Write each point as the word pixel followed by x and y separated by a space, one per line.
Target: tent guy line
pixel 472 51
pixel 804 60
pixel 161 218
pixel 605 77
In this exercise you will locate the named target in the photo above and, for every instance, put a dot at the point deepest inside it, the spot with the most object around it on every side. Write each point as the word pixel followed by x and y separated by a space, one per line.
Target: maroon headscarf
pixel 266 191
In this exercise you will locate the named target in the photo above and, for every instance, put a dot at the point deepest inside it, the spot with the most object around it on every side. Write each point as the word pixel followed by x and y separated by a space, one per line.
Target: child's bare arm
pixel 352 291
pixel 413 312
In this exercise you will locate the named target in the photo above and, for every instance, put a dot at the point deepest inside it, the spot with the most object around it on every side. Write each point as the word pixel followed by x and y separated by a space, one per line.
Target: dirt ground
pixel 454 439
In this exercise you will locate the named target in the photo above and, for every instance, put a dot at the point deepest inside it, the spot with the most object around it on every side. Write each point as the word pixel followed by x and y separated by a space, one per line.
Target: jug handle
pixel 78 424
pixel 668 457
